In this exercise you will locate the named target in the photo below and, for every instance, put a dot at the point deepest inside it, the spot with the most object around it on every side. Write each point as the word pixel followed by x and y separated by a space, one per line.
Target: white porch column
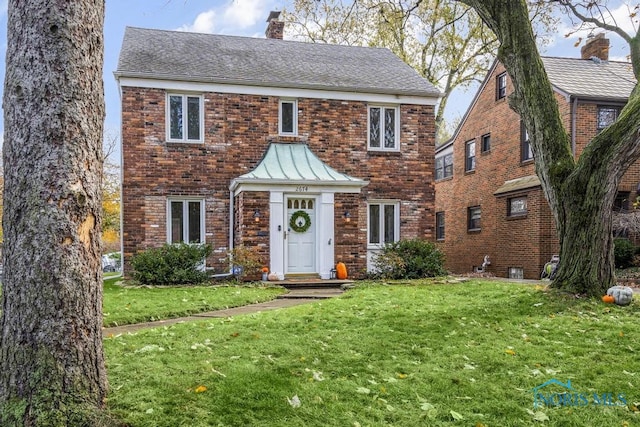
pixel 276 231
pixel 326 235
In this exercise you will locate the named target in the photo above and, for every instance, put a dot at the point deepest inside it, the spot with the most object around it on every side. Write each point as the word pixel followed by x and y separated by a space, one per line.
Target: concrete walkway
pixel 292 298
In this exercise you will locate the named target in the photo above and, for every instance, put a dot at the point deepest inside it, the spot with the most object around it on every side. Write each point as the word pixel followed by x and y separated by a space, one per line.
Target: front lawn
pixel 416 354
pixel 125 305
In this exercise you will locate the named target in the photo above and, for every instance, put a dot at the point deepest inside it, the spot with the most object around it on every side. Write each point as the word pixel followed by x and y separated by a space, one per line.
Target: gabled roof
pixel 288 163
pixel 591 78
pixel 210 58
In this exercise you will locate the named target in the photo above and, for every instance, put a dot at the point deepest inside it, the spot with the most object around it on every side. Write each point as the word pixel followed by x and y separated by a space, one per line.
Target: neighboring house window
pixel 621 202
pixel 501 86
pixel 384 222
pixel 470 156
pixel 384 128
pixel 517 206
pixel 444 166
pixel 525 144
pixel 606 116
pixel 473 218
pixel 288 117
pixel 439 225
pixel 185 221
pixel 486 143
pixel 185 118
pixel 516 273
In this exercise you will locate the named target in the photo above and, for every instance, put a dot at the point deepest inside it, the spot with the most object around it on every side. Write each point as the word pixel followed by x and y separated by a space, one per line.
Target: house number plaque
pixel 302 189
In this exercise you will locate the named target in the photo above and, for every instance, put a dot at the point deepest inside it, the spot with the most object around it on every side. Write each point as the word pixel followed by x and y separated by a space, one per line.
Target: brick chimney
pixel 597 47
pixel 275 29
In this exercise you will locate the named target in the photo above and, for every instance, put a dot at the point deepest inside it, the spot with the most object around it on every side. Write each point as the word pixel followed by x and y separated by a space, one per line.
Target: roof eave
pixel 221 80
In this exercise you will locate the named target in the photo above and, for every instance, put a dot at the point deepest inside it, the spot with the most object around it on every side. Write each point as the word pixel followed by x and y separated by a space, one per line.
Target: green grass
pixel 126 305
pixel 405 355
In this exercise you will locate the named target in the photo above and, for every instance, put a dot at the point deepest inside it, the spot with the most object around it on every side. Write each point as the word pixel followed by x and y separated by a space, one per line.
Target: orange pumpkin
pixel 341 271
pixel 608 299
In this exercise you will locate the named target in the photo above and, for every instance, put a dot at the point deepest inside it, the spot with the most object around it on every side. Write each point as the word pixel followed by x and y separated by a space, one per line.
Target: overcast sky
pixel 235 17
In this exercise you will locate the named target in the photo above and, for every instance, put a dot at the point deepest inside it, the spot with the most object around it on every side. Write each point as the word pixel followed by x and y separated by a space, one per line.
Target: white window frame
pixel 380 225
pixel 396 146
pixel 185 216
pixel 294 103
pixel 185 130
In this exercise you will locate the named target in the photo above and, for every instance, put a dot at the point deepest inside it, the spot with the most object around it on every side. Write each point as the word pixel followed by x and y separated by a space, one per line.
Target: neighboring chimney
pixel 597 47
pixel 275 29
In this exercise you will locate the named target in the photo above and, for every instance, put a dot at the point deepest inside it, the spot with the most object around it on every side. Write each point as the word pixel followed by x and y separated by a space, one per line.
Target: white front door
pixel 300 242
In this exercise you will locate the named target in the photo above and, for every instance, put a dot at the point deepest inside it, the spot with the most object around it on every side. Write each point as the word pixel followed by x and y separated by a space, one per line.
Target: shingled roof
pixel 222 59
pixel 591 78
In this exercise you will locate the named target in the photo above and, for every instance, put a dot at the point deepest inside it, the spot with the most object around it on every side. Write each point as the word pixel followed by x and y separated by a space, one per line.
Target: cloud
pixel 205 22
pixel 245 13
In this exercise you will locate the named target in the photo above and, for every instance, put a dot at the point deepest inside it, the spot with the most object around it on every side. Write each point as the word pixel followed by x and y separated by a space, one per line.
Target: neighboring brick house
pixel 225 138
pixel 488 198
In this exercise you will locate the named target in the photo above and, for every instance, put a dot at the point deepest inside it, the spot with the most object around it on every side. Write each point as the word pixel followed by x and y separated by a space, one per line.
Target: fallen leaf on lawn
pixel 149 411
pixel 456 416
pixel 510 352
pixel 200 389
pixel 621 334
pixel 363 390
pixel 318 376
pixel 401 376
pixel 469 366
pixel 294 401
pixel 235 334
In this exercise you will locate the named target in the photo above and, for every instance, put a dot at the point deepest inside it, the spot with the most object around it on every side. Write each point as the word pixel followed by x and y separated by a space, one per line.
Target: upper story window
pixel 606 116
pixel 384 128
pixel 517 206
pixel 501 86
pixel 525 144
pixel 384 222
pixel 485 143
pixel 474 215
pixel 288 117
pixel 439 225
pixel 444 166
pixel 470 156
pixel 185 116
pixel 185 221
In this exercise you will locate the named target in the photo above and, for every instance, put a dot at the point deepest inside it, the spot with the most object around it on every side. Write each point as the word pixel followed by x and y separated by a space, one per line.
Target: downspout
pixel 574 108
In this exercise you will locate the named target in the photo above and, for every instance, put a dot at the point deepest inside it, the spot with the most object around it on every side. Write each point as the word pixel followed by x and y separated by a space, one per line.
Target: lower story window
pixel 384 222
pixel 185 221
pixel 516 273
pixel 517 206
pixel 474 215
pixel 439 225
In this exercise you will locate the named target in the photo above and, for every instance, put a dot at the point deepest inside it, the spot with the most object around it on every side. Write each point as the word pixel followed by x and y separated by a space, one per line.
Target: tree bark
pixel 580 193
pixel 52 368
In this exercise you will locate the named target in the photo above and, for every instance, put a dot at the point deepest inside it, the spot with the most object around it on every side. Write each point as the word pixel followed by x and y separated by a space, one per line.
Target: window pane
pixel 471 156
pixel 389 128
pixel 374 223
pixel 440 168
pixel 287 117
pixel 448 165
pixel 389 223
pixel 486 142
pixel 374 127
pixel 518 206
pixel 176 222
pixel 193 117
pixel 194 222
pixel 439 225
pixel 606 116
pixel 175 117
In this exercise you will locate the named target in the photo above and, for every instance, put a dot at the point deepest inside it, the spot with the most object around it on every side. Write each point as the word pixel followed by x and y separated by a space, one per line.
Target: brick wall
pixel 237 131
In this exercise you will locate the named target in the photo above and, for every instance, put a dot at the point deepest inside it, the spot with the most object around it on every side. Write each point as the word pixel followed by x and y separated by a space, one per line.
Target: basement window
pixel 516 273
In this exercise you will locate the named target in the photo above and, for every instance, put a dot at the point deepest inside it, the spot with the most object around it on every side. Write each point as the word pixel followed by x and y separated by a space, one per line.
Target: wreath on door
pixel 300 221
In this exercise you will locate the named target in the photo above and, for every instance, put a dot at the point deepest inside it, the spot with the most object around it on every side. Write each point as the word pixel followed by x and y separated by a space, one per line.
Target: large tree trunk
pixel 51 359
pixel 580 193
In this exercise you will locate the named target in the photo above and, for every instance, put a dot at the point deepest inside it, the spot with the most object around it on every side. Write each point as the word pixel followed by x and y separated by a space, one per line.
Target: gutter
pixel 574 109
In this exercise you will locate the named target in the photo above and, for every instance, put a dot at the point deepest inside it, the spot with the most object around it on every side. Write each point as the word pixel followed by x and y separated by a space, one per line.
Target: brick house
pixel 488 198
pixel 308 153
